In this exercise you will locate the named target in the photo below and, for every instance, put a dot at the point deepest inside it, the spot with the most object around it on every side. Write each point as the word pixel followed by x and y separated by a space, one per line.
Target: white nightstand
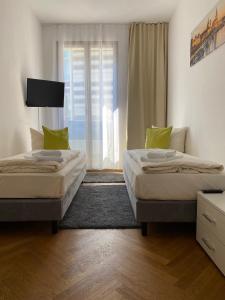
pixel 211 226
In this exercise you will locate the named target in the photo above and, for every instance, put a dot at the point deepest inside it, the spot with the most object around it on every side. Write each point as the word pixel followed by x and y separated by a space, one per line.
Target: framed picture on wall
pixel 209 34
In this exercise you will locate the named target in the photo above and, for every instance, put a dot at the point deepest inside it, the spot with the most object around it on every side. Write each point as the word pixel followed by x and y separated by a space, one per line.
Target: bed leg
pixel 144 228
pixel 55 227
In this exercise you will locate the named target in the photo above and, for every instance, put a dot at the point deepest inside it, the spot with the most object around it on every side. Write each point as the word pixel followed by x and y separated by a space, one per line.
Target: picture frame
pixel 209 34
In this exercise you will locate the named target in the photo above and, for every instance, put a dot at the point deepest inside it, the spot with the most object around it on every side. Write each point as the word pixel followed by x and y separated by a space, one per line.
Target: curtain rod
pixel 128 23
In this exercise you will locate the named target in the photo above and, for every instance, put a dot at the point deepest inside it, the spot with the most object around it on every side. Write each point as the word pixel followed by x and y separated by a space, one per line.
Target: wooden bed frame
pixel 39 209
pixel 156 211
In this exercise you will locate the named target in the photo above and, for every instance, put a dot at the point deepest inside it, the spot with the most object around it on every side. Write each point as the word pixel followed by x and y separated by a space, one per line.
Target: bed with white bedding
pixel 43 190
pixel 169 195
pixel 41 184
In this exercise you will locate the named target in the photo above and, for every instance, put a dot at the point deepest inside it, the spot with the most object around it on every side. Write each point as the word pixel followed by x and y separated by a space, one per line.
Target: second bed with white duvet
pixel 168 186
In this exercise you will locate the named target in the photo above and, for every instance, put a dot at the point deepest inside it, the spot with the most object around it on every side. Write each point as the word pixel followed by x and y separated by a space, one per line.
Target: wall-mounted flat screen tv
pixel 44 93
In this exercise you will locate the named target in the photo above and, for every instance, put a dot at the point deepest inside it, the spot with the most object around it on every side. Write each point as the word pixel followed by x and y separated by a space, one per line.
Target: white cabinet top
pixel 217 200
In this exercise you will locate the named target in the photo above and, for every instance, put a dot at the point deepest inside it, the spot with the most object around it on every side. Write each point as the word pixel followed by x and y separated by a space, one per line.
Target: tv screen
pixel 44 93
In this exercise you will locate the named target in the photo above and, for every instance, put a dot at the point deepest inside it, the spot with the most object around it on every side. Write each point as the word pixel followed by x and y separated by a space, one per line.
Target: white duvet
pixel 21 164
pixel 183 163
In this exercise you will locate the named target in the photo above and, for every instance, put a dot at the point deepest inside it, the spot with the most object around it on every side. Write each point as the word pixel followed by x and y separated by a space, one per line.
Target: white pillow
pixel 37 139
pixel 178 139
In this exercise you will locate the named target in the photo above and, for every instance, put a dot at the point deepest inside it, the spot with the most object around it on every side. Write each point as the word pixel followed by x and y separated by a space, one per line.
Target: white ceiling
pixel 103 11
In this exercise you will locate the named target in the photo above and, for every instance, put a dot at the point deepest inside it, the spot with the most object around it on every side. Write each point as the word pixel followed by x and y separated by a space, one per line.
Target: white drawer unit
pixel 211 226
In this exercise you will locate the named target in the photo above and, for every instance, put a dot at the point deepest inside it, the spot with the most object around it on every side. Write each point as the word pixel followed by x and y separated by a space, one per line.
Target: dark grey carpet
pixel 100 207
pixel 103 177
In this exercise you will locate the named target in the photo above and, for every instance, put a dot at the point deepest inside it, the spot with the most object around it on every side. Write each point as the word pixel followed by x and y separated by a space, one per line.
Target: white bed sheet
pixel 170 186
pixel 42 185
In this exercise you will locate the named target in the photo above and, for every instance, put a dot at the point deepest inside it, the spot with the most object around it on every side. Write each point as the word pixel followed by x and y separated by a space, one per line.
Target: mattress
pixel 170 186
pixel 42 185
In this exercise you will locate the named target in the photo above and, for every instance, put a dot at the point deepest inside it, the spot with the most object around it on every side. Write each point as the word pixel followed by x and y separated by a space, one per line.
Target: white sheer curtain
pixel 90 75
pixel 92 60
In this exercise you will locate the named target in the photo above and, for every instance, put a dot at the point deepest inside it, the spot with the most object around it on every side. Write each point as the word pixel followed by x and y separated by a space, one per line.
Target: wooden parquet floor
pixel 105 264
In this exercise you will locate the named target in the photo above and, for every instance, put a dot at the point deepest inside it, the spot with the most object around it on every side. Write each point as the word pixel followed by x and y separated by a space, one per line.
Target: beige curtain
pixel 147 80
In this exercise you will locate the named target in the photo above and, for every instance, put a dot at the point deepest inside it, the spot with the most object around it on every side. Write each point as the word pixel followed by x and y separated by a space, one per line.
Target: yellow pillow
pixel 158 138
pixel 56 139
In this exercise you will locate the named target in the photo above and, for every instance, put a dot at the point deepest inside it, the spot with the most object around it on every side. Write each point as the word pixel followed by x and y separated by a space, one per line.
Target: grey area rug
pixel 103 177
pixel 100 207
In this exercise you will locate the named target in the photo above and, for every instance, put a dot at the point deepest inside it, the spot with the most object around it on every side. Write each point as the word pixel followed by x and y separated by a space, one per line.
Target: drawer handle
pixel 207 217
pixel 208 245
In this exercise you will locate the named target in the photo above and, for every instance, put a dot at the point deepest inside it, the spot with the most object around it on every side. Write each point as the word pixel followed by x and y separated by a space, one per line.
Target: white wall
pixel 196 95
pixel 20 57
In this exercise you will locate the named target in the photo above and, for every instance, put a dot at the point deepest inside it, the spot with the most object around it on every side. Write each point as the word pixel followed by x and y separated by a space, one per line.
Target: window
pixel 90 75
